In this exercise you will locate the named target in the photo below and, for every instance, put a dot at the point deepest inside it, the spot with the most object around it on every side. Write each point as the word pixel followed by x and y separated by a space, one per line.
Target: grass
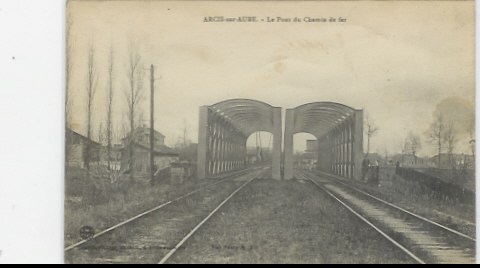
pixel 462 178
pixel 86 205
pixel 146 240
pixel 423 201
pixel 286 222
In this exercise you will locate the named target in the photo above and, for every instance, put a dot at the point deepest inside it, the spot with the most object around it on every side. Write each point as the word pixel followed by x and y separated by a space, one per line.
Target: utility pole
pixel 152 122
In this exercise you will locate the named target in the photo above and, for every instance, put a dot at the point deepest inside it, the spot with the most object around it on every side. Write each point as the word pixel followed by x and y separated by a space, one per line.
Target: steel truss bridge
pixel 225 127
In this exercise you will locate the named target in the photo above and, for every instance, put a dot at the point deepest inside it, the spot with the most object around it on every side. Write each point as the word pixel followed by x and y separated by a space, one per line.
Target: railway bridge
pixel 339 132
pixel 223 132
pixel 225 127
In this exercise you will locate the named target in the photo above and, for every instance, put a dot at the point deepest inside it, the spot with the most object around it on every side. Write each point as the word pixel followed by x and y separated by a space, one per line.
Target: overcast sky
pixel 402 62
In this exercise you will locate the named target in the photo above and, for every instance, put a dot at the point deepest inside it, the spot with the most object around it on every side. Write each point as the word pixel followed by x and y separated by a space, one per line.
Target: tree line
pixel 109 131
pixel 441 135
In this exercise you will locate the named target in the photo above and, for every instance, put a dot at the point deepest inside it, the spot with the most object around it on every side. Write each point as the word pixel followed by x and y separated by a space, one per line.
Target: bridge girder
pixel 223 132
pixel 339 132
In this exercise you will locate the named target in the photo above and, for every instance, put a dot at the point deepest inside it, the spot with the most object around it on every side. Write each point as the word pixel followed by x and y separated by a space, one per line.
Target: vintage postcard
pixel 270 132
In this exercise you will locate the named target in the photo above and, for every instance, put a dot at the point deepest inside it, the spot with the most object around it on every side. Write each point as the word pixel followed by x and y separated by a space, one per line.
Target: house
pixel 139 146
pixel 312 146
pixel 407 160
pixel 455 160
pixel 77 146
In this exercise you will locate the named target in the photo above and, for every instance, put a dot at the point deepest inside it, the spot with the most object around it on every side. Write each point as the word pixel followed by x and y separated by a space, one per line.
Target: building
pixel 308 159
pixel 455 160
pixel 139 145
pixel 312 146
pixel 77 146
pixel 407 160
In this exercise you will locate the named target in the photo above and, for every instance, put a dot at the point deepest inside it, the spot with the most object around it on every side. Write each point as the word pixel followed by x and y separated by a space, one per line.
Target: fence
pixel 182 171
pixel 163 174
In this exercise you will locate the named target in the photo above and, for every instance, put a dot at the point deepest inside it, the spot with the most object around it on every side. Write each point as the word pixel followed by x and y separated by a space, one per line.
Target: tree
pixel 111 76
pixel 91 88
pixel 436 135
pixel 370 129
pixel 101 138
pixel 412 145
pixel 386 155
pixel 449 139
pixel 135 75
pixel 185 129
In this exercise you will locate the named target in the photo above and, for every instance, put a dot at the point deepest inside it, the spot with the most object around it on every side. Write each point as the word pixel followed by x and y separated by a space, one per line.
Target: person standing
pixel 364 169
pixel 376 175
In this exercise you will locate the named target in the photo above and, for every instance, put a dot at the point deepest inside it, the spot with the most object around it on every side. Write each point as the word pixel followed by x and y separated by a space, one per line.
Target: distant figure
pixel 364 168
pixel 365 165
pixel 397 167
pixel 376 173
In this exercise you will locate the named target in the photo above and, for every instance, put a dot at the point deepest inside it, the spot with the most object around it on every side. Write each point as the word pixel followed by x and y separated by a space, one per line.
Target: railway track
pixel 422 239
pixel 155 235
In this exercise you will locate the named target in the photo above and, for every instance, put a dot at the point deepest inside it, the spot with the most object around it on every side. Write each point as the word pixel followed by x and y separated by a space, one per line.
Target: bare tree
pixel 370 129
pixel 386 155
pixel 135 75
pixel 90 90
pixel 111 77
pixel 436 135
pixel 185 129
pixel 101 137
pixel 413 145
pixel 109 181
pixel 449 138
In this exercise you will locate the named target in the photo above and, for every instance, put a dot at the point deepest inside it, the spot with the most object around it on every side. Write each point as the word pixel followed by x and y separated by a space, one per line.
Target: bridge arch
pixel 305 158
pixel 224 128
pixel 339 132
pixel 259 149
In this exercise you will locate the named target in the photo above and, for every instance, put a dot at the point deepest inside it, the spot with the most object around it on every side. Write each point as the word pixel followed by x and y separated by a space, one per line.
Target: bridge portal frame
pixel 339 132
pixel 223 132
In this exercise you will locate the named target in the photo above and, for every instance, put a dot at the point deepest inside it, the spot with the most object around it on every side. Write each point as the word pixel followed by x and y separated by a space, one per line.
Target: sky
pixel 402 62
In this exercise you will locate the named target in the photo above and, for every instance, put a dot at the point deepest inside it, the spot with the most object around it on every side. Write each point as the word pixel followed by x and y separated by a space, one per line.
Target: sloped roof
pixel 158 149
pixel 140 130
pixel 71 135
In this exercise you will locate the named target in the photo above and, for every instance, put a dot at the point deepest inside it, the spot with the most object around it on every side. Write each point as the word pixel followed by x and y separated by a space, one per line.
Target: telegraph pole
pixel 152 122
